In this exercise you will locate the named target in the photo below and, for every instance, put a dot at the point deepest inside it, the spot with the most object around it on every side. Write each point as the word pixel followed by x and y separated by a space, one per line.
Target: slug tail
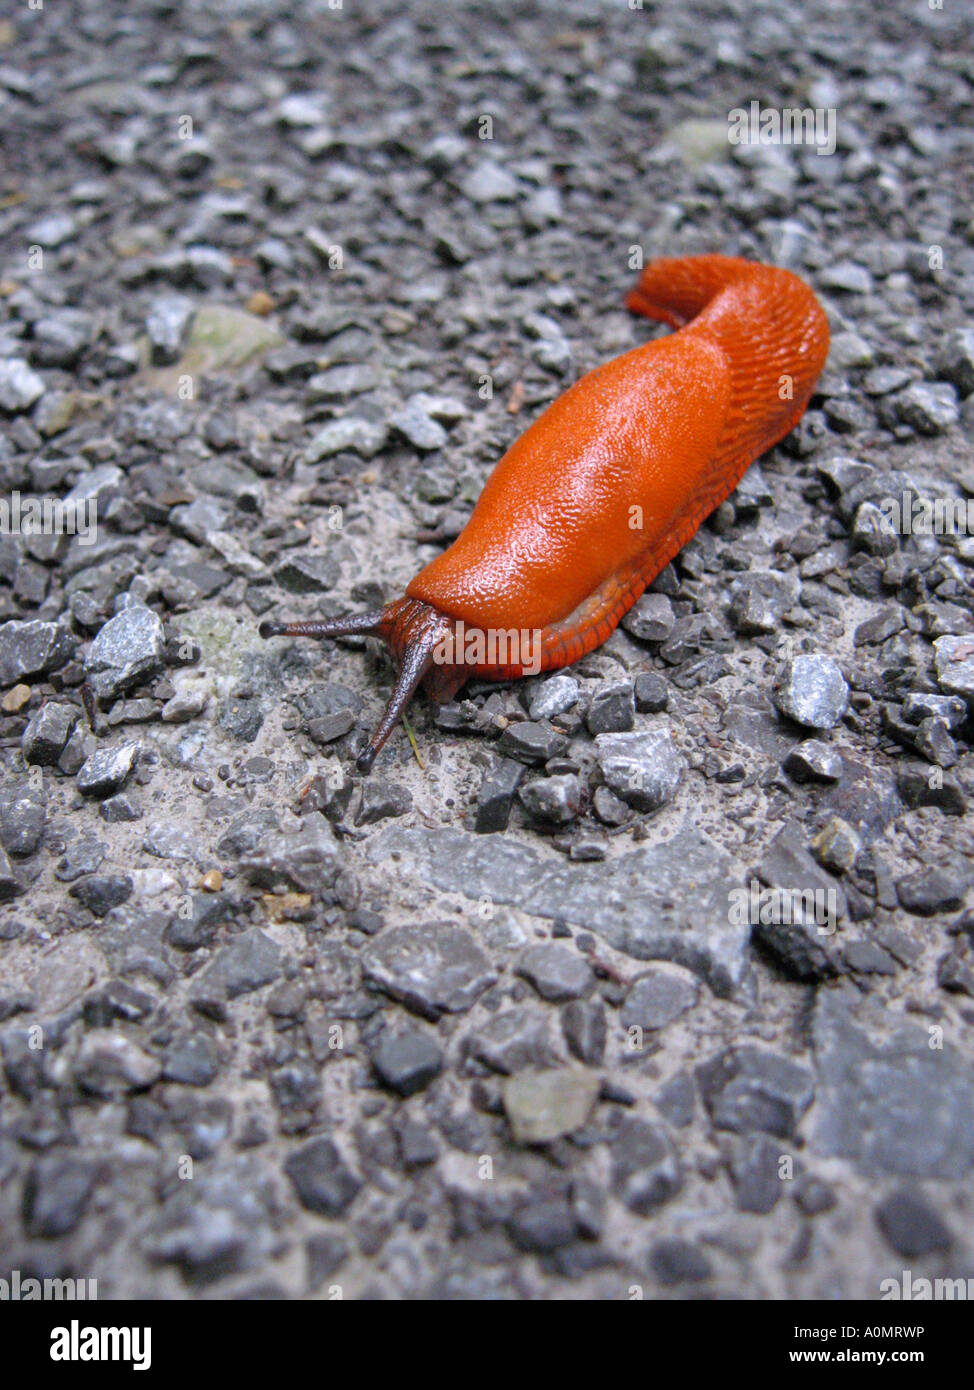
pixel 774 336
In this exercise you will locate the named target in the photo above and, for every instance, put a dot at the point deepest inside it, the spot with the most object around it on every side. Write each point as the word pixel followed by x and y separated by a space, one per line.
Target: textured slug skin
pixel 600 493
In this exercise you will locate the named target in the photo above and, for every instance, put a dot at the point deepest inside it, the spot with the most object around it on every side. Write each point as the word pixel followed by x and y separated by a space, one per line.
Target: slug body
pixel 599 494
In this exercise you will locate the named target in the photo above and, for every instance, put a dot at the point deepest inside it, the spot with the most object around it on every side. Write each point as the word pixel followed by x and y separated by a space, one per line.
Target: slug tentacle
pixel 352 625
pixel 414 632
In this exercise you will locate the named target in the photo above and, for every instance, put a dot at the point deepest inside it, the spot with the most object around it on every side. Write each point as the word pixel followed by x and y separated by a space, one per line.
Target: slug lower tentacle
pixel 599 494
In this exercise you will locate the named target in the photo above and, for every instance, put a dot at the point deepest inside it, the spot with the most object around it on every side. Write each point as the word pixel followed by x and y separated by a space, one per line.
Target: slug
pixel 599 494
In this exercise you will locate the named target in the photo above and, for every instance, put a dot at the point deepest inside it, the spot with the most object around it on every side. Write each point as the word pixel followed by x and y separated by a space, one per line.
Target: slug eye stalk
pixel 413 630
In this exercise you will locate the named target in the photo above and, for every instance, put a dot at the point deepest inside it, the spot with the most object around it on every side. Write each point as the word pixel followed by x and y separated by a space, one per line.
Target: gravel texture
pixel 278 286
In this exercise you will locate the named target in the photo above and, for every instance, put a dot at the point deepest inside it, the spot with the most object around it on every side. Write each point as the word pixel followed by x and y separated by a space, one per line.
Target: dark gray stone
pixel 382 800
pixel 757 1183
pixel 246 963
pixel 612 710
pixel 646 1172
pixel 406 1060
pixel 33 648
pixel 129 650
pixel 813 761
pixel 56 1194
pixel 932 890
pixel 22 817
pixel 643 769
pixel 911 1226
pixel 323 1181
pixel 107 770
pixel 651 693
pixel 557 972
pixel 542 1224
pixel 747 1088
pixel 47 732
pixel 531 743
pixel 99 893
pixel 191 1060
pixel 812 690
pixel 657 998
pixel 584 1027
pixel 496 795
pixel 433 969
pixel 303 860
pixel 513 1040
pixel 650 619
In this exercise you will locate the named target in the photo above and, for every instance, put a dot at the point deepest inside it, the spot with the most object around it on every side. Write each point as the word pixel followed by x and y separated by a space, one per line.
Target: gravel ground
pixel 278 286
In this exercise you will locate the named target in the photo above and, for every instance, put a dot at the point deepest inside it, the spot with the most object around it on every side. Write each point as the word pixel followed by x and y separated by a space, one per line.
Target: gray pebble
pixel 812 690
pixel 108 769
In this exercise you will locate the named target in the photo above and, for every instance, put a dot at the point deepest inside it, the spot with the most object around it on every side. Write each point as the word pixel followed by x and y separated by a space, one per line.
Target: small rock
pixel 406 1060
pixel 956 361
pixel 166 324
pixel 557 973
pixel 532 743
pixel 642 769
pixel 47 732
pixel 20 387
pixel 22 816
pixel 543 1224
pixel 543 1105
pixel 651 693
pixel 929 407
pixel 746 1088
pixel 813 761
pixel 433 969
pixel 322 1179
pixel 555 800
pixel 15 700
pixel 658 997
pixel 418 428
pixel 812 690
pixel 56 1194
pixel 246 963
pixel 489 182
pixel 496 795
pixel 650 619
pixel 954 658
pixel 109 1065
pixel 583 1025
pixel 612 710
pixel 382 800
pixel 556 695
pixel 32 649
pixel 836 845
pixel 675 1261
pixel 758 1186
pixel 911 1226
pixel 645 1169
pixel 931 891
pixel 99 893
pixel 107 770
pixel 129 649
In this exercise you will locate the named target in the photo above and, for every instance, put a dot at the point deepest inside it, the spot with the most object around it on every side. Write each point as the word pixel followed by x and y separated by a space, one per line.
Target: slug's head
pixel 416 634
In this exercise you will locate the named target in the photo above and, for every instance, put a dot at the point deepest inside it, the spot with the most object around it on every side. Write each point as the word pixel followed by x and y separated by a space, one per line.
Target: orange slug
pixel 599 494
